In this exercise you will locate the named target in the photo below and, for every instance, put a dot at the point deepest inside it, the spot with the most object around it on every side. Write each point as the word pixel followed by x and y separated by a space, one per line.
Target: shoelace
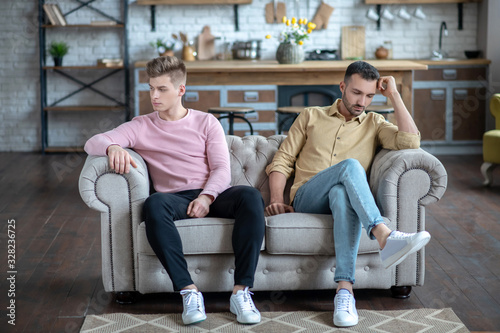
pixel 399 235
pixel 247 303
pixel 190 294
pixel 343 302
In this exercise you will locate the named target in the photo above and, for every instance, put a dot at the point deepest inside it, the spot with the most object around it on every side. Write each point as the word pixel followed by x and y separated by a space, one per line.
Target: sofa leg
pixel 126 297
pixel 401 292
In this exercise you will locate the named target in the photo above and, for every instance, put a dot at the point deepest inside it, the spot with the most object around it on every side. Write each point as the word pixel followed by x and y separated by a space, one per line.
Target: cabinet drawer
pixel 468 113
pixel 430 113
pixel 451 74
pixel 251 96
pixel 201 99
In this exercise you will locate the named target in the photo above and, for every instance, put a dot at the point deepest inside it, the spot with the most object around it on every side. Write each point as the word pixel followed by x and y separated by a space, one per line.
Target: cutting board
pixel 206 44
pixel 353 42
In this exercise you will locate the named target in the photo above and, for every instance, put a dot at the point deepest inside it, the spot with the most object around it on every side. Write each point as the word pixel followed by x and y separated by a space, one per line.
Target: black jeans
pixel 243 203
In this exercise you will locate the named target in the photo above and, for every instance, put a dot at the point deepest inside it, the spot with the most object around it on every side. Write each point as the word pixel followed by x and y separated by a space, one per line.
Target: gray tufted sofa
pixel 298 250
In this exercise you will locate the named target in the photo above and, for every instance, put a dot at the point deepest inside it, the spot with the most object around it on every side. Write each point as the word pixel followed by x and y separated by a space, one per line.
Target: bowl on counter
pixel 472 54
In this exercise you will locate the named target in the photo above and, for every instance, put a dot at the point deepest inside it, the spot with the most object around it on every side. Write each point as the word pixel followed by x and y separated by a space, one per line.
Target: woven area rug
pixel 407 321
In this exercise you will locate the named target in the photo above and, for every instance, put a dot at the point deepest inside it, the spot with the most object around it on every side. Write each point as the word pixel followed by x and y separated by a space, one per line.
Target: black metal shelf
pixel 71 72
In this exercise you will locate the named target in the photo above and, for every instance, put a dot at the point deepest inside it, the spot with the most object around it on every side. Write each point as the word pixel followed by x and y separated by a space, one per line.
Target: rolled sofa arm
pixel 119 198
pixel 405 181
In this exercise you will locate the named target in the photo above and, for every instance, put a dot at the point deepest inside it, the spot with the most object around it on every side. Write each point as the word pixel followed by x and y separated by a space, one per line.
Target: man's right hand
pixel 278 208
pixel 119 159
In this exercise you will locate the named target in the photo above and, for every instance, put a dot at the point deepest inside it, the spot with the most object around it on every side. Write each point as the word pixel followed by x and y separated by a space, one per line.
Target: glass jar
pixel 388 45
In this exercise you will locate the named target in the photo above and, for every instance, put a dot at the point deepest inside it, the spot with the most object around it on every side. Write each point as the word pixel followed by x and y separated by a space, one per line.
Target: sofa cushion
pixel 306 234
pixel 208 235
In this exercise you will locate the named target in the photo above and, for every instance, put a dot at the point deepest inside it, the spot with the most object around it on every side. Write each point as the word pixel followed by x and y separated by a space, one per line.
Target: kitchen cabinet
pixel 450 107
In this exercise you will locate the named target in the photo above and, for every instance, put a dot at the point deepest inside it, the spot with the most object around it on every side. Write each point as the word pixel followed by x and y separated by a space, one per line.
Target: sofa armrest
pixel 119 198
pixel 405 181
pixel 96 174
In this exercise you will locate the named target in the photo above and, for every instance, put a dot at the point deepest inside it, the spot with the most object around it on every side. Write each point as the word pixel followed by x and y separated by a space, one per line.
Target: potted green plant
pixel 163 47
pixel 58 50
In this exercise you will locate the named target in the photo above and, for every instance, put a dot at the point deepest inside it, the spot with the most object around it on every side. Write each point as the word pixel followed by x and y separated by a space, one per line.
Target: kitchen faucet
pixel 440 54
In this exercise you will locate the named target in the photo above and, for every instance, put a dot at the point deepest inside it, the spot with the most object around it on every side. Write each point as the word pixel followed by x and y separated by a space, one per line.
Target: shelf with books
pixel 50 18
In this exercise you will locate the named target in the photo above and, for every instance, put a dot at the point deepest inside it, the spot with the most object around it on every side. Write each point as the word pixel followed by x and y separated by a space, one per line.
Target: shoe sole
pixel 244 323
pixel 345 324
pixel 195 322
pixel 397 258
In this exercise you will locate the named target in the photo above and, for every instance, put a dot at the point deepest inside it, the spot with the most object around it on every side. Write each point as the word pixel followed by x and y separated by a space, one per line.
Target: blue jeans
pixel 343 191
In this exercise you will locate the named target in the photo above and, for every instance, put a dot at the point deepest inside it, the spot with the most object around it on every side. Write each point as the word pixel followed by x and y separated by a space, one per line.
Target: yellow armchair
pixel 491 143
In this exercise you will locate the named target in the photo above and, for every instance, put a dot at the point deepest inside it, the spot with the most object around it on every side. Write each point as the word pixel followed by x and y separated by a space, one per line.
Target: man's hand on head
pixel 119 159
pixel 387 86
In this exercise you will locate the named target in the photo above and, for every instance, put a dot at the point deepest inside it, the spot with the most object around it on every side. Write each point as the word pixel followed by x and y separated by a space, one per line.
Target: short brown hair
pixel 364 69
pixel 171 66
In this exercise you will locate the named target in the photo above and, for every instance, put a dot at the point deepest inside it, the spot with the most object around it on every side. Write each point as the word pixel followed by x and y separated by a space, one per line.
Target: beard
pixel 351 107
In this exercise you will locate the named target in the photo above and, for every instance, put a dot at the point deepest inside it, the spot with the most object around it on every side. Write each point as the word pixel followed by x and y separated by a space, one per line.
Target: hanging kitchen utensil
pixel 322 16
pixel 269 10
pixel 275 14
pixel 280 11
pixel 353 42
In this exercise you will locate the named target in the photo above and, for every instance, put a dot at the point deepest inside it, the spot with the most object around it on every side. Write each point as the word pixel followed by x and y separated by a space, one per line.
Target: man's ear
pixel 342 87
pixel 182 89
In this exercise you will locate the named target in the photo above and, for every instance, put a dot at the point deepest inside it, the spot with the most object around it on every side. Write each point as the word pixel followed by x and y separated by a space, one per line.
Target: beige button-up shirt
pixel 320 137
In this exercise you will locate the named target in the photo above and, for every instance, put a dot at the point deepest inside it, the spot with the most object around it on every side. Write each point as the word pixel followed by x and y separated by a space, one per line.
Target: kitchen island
pixel 269 72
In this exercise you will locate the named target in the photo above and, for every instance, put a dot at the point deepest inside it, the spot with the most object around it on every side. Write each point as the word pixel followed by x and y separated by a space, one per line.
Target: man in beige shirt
pixel 329 150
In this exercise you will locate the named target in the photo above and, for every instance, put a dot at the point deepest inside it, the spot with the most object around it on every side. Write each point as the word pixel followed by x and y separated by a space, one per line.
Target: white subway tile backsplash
pixel 19 72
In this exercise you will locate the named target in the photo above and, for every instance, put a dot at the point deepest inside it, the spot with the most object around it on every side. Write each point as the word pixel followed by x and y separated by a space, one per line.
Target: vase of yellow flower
pixel 290 50
pixel 290 53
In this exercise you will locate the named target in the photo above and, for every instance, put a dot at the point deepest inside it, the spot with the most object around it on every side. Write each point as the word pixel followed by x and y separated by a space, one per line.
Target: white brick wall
pixel 19 74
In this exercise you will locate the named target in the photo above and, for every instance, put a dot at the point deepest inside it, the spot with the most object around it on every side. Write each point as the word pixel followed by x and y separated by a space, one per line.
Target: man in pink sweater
pixel 188 161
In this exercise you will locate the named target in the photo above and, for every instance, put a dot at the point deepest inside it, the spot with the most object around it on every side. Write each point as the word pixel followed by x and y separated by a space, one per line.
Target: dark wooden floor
pixel 58 278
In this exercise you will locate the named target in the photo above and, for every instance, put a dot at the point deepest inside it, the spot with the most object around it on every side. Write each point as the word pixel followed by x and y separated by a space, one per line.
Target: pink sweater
pixel 190 153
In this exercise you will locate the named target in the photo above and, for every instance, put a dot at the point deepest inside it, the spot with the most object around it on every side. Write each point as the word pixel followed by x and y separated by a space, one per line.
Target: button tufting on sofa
pixel 231 271
pixel 197 271
pixel 367 268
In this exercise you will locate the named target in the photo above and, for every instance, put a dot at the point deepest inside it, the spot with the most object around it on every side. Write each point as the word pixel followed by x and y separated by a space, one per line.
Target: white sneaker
pixel 345 314
pixel 243 307
pixel 194 309
pixel 399 245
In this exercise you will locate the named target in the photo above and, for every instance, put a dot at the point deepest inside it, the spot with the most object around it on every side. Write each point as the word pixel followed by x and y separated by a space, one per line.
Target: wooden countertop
pixel 306 66
pixel 454 62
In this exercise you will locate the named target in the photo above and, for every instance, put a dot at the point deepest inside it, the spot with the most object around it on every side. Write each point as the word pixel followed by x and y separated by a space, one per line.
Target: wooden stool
pixel 231 113
pixel 380 109
pixel 288 112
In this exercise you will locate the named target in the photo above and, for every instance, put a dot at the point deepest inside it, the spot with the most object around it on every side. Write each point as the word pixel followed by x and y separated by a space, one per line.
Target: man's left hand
pixel 200 206
pixel 387 86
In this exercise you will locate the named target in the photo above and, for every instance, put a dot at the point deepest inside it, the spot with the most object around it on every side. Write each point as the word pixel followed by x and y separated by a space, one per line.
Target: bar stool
pixel 287 113
pixel 384 110
pixel 231 113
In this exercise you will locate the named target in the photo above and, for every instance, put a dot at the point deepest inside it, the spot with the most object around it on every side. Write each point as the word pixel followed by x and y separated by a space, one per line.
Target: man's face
pixel 357 94
pixel 164 95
